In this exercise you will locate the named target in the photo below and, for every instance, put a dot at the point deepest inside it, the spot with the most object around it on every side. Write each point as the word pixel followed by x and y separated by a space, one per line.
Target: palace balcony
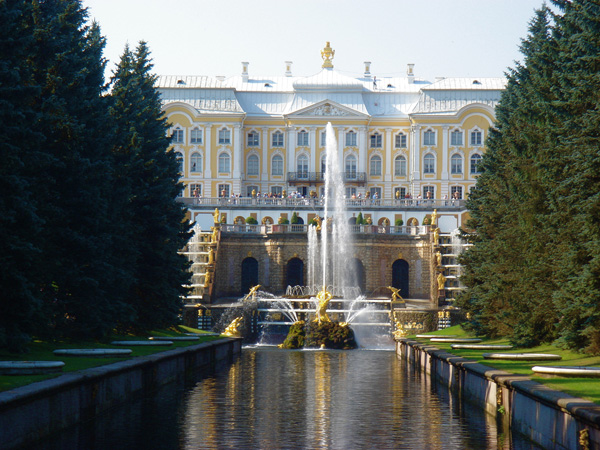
pixel 352 177
pixel 303 229
pixel 317 203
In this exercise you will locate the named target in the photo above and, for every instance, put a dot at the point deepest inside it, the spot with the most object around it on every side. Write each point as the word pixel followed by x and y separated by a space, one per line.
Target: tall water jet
pixel 335 246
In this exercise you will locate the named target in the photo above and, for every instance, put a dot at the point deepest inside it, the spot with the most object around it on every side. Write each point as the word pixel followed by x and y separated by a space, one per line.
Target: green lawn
pixel 587 388
pixel 43 351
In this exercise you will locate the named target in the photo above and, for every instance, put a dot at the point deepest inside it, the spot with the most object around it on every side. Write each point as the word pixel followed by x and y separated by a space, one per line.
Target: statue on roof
pixel 327 54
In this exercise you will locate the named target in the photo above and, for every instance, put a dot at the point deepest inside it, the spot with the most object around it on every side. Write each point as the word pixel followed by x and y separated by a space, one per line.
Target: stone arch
pixel 239 220
pixel 357 273
pixel 400 277
pixel 267 220
pixel 249 274
pixel 294 272
pixel 384 222
pixel 412 222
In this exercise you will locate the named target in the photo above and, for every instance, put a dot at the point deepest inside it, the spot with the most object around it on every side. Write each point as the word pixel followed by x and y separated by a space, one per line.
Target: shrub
pixel 294 218
pixel 359 219
pixel 251 220
pixel 399 222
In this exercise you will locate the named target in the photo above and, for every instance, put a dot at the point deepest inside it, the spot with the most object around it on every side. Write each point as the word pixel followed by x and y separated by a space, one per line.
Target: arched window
pixel 351 139
pixel 375 140
pixel 375 165
pixel 302 166
pixel 456 138
pixel 224 136
pixel 277 139
pixel 456 164
pixel 196 136
pixel 302 138
pixel 277 165
pixel 475 160
pixel 429 163
pixel 252 168
pixel 224 163
pixel 400 166
pixel 253 139
pixel 429 137
pixel 350 167
pixel 476 137
pixel 400 140
pixel 177 136
pixel 196 162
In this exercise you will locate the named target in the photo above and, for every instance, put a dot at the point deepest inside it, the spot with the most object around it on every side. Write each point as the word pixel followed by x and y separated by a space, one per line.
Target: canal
pixel 275 399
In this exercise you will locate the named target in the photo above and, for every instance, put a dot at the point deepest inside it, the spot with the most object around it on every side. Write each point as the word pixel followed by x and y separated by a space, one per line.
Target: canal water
pixel 280 399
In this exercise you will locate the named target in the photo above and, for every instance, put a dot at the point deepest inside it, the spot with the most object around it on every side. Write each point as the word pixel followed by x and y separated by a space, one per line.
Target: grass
pixel 586 388
pixel 43 351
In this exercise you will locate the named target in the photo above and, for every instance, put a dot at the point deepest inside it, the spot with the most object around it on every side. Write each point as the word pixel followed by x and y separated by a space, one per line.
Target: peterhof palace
pixel 253 147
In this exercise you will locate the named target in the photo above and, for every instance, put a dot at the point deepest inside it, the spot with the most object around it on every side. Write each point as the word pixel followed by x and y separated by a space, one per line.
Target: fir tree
pixel 75 180
pixel 20 306
pixel 150 176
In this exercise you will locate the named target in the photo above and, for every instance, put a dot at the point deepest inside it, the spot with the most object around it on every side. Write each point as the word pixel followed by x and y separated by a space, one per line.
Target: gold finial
pixel 327 55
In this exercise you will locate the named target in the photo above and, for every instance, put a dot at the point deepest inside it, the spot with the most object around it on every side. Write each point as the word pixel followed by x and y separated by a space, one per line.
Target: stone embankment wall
pixel 29 413
pixel 376 251
pixel 550 418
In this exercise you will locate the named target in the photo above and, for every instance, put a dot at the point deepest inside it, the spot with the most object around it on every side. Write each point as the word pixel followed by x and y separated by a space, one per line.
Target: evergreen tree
pixel 509 270
pixel 76 173
pixel 20 225
pixel 150 177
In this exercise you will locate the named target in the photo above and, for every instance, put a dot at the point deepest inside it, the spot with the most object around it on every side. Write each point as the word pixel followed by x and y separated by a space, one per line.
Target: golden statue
pixel 323 297
pixel 233 329
pixel 434 217
pixel 396 297
pixel 386 222
pixel 369 221
pixel 211 256
pixel 318 220
pixel 252 294
pixel 327 54
pixel 216 216
pixel 438 258
pixel 441 279
pixel 206 279
pixel 436 235
pixel 215 231
pixel 400 331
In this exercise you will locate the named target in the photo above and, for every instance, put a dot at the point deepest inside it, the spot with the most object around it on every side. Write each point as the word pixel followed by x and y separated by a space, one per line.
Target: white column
pixel 207 161
pixel 313 149
pixel 291 150
pixel 387 190
pixel 415 157
pixel 238 158
pixel 445 152
pixel 265 159
pixel 362 149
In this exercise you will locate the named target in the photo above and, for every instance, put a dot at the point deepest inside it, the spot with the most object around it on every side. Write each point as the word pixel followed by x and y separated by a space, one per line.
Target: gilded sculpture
pixel 323 298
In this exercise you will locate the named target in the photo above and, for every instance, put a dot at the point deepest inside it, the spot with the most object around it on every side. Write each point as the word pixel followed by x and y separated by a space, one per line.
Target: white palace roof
pixel 397 97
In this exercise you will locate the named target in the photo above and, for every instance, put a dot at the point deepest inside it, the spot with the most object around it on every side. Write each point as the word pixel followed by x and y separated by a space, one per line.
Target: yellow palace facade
pixel 397 137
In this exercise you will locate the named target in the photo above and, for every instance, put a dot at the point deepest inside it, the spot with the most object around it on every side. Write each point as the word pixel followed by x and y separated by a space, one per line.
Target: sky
pixel 443 38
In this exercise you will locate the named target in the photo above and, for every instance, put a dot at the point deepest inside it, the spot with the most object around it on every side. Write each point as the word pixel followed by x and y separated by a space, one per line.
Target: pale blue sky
pixel 470 38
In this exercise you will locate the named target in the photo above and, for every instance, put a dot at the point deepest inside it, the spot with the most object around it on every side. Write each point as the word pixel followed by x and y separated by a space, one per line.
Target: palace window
pixel 456 192
pixel 428 192
pixel 177 136
pixel 277 139
pixel 224 136
pixel 196 136
pixel 476 137
pixel 375 192
pixel 350 191
pixel 475 161
pixel 195 190
pixel 196 162
pixel 400 140
pixel 223 190
pixel 375 166
pixel 302 166
pixel 224 163
pixel 400 166
pixel 323 138
pixel 323 164
pixel 302 138
pixel 350 167
pixel 456 138
pixel 375 140
pixel 249 190
pixel 350 139
pixel 276 190
pixel 456 164
pixel 252 168
pixel 429 163
pixel 399 192
pixel 429 137
pixel 253 139
pixel 277 165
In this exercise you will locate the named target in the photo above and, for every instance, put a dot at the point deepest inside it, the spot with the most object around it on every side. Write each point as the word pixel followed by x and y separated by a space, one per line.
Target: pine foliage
pixel 533 274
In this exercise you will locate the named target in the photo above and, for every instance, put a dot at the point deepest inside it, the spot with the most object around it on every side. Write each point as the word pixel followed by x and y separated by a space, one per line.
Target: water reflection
pixel 274 399
pixel 332 400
